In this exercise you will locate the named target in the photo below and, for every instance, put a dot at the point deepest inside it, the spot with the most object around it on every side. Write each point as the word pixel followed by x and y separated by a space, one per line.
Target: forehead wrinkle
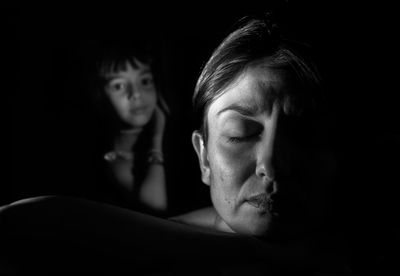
pixel 269 85
pixel 267 96
pixel 258 89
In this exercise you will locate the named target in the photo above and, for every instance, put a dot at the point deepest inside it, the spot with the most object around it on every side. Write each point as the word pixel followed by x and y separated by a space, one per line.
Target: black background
pixel 358 58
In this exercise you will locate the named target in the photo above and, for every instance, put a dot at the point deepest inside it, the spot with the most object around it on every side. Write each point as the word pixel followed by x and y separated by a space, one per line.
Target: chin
pixel 138 122
pixel 268 229
pixel 272 229
pixel 259 227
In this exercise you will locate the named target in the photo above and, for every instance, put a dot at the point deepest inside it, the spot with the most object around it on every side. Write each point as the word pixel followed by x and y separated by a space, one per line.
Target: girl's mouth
pixel 138 110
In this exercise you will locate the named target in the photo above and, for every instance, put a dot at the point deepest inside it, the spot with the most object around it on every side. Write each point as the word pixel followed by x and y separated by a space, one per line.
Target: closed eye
pixel 242 139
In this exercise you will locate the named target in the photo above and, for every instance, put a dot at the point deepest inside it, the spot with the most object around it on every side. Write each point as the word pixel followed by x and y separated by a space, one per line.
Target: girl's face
pixel 132 94
pixel 255 160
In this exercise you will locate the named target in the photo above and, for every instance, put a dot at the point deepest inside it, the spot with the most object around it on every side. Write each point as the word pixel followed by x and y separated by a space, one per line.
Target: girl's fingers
pixel 163 105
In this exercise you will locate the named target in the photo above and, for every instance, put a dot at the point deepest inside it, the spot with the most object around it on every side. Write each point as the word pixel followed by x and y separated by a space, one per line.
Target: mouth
pixel 262 202
pixel 138 110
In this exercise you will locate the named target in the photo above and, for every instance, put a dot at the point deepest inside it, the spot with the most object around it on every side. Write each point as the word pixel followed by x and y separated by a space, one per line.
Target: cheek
pixel 238 160
pixel 151 98
pixel 230 168
pixel 120 105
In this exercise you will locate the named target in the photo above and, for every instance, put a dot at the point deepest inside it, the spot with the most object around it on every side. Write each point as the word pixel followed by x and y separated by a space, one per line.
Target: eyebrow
pixel 242 109
pixel 145 71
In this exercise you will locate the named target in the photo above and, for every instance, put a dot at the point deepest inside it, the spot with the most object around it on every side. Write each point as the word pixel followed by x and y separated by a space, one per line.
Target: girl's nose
pixel 133 93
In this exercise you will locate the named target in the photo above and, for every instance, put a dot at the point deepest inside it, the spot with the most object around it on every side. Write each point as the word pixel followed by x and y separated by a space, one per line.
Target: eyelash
pixel 147 81
pixel 116 86
pixel 241 139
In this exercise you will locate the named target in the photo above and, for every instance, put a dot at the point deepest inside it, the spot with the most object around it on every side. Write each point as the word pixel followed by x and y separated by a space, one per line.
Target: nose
pixel 266 159
pixel 267 156
pixel 134 93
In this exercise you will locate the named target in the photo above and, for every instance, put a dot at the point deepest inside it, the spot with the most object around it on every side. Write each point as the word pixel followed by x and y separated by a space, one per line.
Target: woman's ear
pixel 198 145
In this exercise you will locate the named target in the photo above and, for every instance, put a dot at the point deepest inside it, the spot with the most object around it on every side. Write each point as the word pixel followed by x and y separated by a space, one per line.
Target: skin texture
pixel 132 94
pixel 257 170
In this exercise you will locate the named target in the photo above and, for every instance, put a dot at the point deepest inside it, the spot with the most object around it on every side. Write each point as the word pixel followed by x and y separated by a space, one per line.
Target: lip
pixel 262 202
pixel 138 110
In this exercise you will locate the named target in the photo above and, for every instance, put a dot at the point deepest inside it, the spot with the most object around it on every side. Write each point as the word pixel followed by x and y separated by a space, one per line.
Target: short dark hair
pixel 114 56
pixel 254 40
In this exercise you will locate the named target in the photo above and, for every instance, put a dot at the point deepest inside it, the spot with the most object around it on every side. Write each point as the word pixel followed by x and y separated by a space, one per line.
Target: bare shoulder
pixel 204 217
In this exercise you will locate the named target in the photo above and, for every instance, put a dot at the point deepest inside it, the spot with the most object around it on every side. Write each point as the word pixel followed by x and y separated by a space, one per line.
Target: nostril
pixel 267 174
pixel 135 95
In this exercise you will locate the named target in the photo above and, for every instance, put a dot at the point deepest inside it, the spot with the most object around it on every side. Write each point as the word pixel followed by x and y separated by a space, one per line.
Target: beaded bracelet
pixel 118 154
pixel 155 157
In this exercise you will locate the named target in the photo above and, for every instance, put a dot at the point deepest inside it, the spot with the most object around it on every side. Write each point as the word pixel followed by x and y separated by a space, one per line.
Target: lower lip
pixel 261 207
pixel 264 209
pixel 138 110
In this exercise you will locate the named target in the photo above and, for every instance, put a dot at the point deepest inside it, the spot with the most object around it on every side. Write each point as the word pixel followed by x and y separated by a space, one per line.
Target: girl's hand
pixel 159 120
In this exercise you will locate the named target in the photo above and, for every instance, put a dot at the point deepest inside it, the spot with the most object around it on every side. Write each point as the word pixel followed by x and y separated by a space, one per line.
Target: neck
pixel 125 140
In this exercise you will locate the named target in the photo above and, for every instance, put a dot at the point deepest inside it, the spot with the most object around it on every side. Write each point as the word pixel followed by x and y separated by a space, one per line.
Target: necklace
pixel 118 154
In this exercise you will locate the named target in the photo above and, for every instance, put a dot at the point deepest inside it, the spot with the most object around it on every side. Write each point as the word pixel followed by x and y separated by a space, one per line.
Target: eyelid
pixel 116 81
pixel 146 75
pixel 111 86
pixel 147 78
pixel 238 139
pixel 113 82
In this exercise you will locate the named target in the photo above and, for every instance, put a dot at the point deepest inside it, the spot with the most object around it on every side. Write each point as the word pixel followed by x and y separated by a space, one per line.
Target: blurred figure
pixel 132 116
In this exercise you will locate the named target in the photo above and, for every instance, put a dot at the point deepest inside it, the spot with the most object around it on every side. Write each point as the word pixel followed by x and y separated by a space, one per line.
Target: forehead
pixel 257 88
pixel 127 68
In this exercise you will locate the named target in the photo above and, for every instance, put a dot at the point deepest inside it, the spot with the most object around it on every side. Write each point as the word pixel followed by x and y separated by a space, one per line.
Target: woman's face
pixel 257 166
pixel 132 94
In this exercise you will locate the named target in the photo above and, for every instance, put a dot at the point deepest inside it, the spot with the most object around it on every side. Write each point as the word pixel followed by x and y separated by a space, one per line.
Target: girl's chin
pixel 138 123
pixel 131 130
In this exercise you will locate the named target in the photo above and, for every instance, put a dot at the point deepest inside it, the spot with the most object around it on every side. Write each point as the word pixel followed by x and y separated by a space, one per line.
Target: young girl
pixel 132 122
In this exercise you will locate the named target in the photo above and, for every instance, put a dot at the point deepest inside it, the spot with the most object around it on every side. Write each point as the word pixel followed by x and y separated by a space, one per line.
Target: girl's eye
pixel 116 87
pixel 147 81
pixel 119 86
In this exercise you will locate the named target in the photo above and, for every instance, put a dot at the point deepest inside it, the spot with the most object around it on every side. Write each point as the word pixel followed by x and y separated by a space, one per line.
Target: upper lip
pixel 138 108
